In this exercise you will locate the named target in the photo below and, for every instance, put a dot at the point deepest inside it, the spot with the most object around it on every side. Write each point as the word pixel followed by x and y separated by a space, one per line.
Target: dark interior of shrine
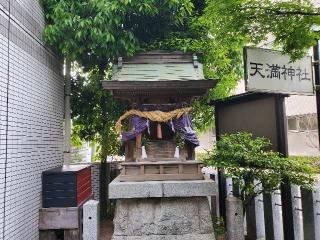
pixel 166 131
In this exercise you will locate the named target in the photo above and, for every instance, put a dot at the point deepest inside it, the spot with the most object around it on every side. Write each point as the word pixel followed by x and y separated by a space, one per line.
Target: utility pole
pixel 317 82
pixel 67 114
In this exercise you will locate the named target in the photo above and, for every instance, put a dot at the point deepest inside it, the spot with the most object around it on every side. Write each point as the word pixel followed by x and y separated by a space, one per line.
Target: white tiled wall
pixel 31 138
pixel 3 114
pixel 95 180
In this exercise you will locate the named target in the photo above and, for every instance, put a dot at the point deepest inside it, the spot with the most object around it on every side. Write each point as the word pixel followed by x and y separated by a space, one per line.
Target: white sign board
pixel 270 71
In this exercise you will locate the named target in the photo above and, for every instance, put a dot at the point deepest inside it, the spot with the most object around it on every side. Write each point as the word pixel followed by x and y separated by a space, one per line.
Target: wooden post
pixel 287 211
pixel 142 170
pixel 47 235
pixel 108 180
pixel 161 169
pixel 221 178
pixel 255 217
pixel 127 151
pixel 308 214
pixel 222 193
pixel 72 234
pixel 138 147
pixel 316 58
pixel 138 141
pixel 286 195
pixel 103 190
pixel 272 215
pixel 159 131
pixel 181 169
pixel 310 200
pixel 268 215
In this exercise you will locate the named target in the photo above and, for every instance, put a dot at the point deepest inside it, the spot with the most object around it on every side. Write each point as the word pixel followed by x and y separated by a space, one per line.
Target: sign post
pixel 271 71
pixel 317 82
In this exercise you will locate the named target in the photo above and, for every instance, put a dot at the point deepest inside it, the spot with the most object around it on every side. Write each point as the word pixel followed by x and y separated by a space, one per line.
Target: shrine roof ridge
pixel 159 57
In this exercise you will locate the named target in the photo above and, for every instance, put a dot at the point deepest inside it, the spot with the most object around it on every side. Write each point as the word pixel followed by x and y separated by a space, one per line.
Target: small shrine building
pixel 158 87
pixel 161 192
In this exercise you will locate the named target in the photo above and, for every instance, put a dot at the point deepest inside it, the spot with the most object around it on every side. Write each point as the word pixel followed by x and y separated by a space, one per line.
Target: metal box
pixel 66 186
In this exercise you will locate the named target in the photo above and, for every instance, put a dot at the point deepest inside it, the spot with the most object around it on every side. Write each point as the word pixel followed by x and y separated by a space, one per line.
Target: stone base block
pixel 160 189
pixel 186 218
pixel 91 220
pixel 168 237
pixel 234 213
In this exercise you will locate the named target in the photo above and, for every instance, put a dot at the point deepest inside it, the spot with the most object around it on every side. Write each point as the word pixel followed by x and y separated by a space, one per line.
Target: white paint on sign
pixel 271 71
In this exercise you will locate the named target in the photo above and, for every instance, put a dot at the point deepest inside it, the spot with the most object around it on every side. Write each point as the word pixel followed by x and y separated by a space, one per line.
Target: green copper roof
pixel 158 66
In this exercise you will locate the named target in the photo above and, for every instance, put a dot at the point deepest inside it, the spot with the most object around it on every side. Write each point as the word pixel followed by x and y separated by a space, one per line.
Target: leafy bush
pixel 218 226
pixel 179 140
pixel 314 161
pixel 251 164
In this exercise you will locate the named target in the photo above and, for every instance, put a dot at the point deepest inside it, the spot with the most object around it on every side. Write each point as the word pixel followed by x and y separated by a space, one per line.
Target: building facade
pixel 302 122
pixel 31 116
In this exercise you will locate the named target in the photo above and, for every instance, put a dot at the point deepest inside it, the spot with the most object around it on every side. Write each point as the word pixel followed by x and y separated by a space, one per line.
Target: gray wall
pixel 303 143
pixel 31 116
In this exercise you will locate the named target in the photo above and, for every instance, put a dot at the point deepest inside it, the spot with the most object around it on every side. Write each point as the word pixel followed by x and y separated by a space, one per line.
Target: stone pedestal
pixel 91 228
pixel 163 210
pixel 234 219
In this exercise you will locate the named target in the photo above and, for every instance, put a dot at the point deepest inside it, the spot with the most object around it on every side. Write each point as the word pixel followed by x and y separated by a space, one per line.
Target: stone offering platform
pixel 163 210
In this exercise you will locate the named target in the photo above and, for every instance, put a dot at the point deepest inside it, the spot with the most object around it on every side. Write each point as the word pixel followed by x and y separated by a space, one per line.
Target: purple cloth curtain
pixel 139 125
pixel 183 125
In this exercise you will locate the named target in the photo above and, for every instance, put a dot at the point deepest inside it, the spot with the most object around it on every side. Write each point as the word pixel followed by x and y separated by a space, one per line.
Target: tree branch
pixel 283 12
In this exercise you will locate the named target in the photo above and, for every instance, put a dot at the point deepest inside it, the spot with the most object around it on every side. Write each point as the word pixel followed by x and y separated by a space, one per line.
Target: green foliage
pixel 314 161
pixel 218 226
pixel 94 33
pixel 78 156
pixel 144 140
pixel 254 21
pixel 179 140
pixel 219 29
pixel 75 136
pixel 251 164
pixel 94 113
pixel 98 31
pixel 220 61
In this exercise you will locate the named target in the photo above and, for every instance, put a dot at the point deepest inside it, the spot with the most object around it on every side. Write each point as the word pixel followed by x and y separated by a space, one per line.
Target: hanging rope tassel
pixel 172 127
pixel 159 131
